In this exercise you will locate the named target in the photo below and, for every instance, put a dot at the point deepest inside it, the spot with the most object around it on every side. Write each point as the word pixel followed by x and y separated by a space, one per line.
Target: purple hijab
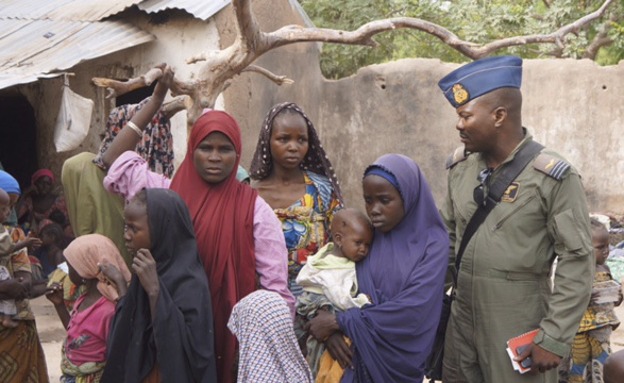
pixel 404 276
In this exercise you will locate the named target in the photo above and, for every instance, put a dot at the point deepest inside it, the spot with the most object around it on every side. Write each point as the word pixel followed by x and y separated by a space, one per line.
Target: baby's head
pixel 600 241
pixel 352 234
pixel 136 228
pixel 614 367
pixel 52 234
pixel 5 206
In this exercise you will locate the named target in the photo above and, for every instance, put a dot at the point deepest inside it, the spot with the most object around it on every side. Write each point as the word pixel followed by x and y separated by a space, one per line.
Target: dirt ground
pixel 51 333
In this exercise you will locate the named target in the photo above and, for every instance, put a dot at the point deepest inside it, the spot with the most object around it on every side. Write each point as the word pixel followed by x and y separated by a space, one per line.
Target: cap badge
pixel 460 94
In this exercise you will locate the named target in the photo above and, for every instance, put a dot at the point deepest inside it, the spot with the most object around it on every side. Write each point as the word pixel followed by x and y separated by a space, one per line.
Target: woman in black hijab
pixel 163 328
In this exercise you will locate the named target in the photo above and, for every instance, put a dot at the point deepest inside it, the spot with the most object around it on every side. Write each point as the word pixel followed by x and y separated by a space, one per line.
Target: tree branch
pixel 594 47
pixel 116 88
pixel 556 37
pixel 183 87
pixel 211 56
pixel 364 34
pixel 222 65
pixel 279 80
pixel 601 39
pixel 249 34
pixel 170 108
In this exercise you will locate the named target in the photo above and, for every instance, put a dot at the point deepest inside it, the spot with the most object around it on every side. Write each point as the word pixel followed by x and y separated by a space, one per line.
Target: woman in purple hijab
pixel 403 275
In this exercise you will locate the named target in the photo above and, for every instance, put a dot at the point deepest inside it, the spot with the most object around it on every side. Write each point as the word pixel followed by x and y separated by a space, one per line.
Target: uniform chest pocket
pixel 463 212
pixel 525 208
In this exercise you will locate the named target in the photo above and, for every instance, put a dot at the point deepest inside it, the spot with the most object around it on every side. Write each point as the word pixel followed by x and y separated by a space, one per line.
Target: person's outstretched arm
pixel 55 295
pixel 128 138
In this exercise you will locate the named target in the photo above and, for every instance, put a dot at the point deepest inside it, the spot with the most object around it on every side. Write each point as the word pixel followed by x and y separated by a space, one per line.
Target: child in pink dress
pixel 88 325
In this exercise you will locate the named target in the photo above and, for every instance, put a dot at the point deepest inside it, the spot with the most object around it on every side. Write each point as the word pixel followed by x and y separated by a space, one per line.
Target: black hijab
pixel 181 339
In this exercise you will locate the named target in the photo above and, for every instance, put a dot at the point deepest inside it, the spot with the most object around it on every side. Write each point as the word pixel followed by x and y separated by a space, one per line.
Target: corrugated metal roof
pixel 200 9
pixel 93 10
pixel 38 38
pixel 76 10
pixel 32 49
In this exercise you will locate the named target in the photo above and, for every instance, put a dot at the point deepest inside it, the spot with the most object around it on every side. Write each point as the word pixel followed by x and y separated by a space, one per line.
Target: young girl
pixel 591 345
pixel 88 326
pixel 292 173
pixel 269 352
pixel 163 329
pixel 403 275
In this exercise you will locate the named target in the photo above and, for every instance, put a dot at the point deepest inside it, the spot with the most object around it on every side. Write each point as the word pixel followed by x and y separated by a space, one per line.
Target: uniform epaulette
pixel 458 156
pixel 551 166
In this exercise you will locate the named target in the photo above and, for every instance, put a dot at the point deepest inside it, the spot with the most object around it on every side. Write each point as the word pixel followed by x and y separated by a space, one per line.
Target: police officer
pixel 503 286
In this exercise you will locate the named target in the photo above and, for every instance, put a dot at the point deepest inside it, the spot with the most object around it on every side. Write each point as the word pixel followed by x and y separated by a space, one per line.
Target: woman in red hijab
pixel 239 238
pixel 43 200
pixel 237 232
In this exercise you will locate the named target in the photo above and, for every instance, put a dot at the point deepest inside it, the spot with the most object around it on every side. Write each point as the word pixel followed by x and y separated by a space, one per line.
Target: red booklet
pixel 516 346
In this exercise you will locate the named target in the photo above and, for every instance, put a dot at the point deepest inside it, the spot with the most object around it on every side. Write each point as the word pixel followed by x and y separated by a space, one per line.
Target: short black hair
pixel 58 217
pixel 54 230
pixel 346 217
pixel 141 197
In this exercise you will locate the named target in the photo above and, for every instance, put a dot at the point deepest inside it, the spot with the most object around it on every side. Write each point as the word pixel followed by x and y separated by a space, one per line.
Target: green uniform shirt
pixel 504 288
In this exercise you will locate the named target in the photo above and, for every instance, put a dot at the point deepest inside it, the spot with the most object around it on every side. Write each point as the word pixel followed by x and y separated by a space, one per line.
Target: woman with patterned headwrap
pixel 155 145
pixel 292 173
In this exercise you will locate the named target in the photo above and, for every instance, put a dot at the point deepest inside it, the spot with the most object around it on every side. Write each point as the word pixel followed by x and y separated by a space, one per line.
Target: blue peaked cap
pixel 480 77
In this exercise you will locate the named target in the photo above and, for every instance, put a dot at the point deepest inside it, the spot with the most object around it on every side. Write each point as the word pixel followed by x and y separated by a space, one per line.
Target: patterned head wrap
pixel 315 160
pixel 263 325
pixel 156 145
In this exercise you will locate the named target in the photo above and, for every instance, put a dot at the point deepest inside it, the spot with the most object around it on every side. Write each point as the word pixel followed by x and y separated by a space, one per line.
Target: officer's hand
pixel 542 360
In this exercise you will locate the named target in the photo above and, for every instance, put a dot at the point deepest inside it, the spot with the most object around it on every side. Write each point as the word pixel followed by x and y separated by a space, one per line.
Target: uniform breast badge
pixel 511 193
pixel 460 94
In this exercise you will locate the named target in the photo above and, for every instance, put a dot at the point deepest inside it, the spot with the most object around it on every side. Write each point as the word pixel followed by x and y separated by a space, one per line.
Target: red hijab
pixel 223 216
pixel 40 174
